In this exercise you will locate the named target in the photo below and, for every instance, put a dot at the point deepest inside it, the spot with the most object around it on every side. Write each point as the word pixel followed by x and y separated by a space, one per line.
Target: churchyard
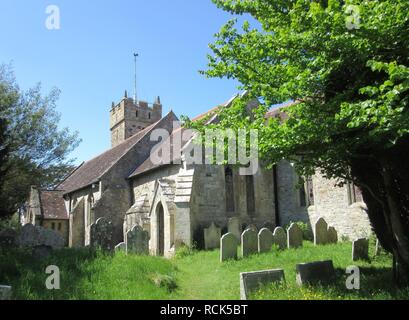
pixel 91 273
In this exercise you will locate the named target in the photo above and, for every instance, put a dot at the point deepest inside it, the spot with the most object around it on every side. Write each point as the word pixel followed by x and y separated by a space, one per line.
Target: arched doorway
pixel 160 216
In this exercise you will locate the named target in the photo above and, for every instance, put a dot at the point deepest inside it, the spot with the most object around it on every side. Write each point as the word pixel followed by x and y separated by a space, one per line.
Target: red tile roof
pixel 52 205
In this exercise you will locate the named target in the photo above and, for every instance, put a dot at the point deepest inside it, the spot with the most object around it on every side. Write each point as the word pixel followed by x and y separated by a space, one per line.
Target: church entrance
pixel 161 229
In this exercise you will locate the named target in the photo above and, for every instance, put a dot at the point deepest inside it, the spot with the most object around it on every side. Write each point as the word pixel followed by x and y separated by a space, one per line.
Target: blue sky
pixel 90 58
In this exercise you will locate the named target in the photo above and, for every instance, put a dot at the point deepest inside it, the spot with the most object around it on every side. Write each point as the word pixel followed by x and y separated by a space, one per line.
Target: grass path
pixel 86 274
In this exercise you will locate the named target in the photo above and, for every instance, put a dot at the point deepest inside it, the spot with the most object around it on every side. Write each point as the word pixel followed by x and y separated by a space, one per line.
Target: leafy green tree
pixel 36 150
pixel 346 64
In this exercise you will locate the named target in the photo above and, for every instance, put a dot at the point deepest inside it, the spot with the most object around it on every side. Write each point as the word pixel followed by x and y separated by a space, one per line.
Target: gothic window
pixel 354 193
pixel 53 225
pixel 59 226
pixel 149 115
pixel 251 206
pixel 310 191
pixel 136 113
pixel 229 188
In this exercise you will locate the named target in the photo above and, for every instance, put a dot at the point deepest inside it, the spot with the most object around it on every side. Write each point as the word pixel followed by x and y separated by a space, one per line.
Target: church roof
pixel 148 165
pixel 91 171
pixel 52 205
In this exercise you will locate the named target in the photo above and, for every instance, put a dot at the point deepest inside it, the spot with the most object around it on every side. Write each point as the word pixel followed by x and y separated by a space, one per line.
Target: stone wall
pixel 332 203
pixel 59 226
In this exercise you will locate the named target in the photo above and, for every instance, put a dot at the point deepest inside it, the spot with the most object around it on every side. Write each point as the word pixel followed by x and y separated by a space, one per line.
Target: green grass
pixel 86 274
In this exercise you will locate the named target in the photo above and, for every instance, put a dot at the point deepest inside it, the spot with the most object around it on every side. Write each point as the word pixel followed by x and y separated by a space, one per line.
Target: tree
pixel 37 150
pixel 346 64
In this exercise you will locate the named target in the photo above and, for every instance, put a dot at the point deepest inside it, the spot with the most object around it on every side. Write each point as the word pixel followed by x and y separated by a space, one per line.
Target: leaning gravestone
pixel 332 235
pixel 101 234
pixel 265 240
pixel 228 247
pixel 120 246
pixel 234 226
pixel 320 232
pixel 360 249
pixel 251 281
pixel 5 292
pixel 280 238
pixel 137 241
pixel 212 237
pixel 248 243
pixel 294 236
pixel 34 236
pixel 321 272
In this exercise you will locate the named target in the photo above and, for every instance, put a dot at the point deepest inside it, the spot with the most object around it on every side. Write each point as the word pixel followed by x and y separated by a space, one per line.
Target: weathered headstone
pixel 265 240
pixel 137 241
pixel 251 281
pixel 101 234
pixel 33 236
pixel 248 243
pixel 320 272
pixel 378 248
pixel 228 247
pixel 120 246
pixel 5 292
pixel 332 235
pixel 280 238
pixel 294 236
pixel 212 237
pixel 360 249
pixel 320 232
pixel 234 226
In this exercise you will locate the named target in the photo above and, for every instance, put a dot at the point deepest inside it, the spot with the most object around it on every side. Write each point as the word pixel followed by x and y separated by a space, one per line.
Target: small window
pixel 136 113
pixel 53 225
pixel 149 115
pixel 354 193
pixel 59 226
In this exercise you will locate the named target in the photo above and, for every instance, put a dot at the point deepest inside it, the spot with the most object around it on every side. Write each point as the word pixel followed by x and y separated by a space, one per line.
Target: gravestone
pixel 248 243
pixel 228 247
pixel 33 236
pixel 120 246
pixel 332 235
pixel 234 226
pixel 314 273
pixel 212 237
pixel 5 292
pixel 320 232
pixel 378 248
pixel 252 281
pixel 360 249
pixel 280 238
pixel 137 241
pixel 101 234
pixel 270 226
pixel 265 240
pixel 294 236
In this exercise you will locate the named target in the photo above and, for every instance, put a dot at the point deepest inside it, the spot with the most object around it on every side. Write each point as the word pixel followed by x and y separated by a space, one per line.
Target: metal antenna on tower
pixel 135 97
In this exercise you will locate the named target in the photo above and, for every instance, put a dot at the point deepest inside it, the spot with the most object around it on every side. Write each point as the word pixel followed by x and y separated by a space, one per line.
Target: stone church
pixel 175 202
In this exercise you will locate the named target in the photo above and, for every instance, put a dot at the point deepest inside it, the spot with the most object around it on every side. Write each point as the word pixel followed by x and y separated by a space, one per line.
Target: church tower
pixel 129 117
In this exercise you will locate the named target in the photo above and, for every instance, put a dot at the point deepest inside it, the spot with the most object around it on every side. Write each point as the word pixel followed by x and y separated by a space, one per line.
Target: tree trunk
pixel 384 181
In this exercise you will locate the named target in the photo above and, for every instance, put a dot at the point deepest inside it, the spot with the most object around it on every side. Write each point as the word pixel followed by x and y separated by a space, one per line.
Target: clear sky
pixel 91 57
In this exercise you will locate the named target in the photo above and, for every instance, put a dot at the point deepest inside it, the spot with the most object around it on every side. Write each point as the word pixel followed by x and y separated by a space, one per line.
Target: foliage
pixel 306 229
pixel 344 64
pixel 38 148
